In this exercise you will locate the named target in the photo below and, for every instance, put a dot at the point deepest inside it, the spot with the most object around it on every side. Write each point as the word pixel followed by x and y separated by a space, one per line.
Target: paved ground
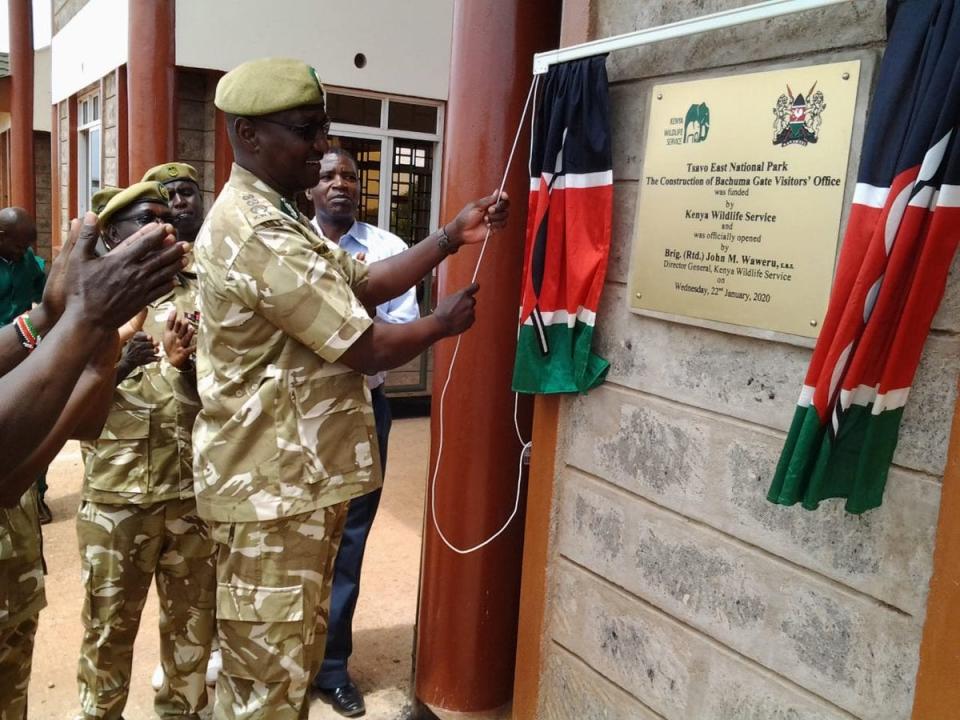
pixel 383 628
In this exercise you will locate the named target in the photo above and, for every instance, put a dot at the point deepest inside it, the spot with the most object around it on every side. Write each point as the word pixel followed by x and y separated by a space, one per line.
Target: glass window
pixel 413 118
pixel 411 189
pixel 353 109
pixel 89 150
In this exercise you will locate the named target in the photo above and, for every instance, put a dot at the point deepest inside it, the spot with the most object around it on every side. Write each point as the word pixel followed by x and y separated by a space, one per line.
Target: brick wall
pixel 676 590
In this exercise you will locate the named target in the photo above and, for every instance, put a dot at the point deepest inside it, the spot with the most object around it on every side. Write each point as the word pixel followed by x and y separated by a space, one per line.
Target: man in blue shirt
pixel 335 199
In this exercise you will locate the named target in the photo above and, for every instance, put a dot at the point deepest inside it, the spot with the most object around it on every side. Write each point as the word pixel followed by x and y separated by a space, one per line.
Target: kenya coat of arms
pixel 797 118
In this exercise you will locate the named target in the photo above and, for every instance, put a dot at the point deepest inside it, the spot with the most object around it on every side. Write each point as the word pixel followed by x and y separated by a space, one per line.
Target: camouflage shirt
pixel 285 429
pixel 21 565
pixel 144 453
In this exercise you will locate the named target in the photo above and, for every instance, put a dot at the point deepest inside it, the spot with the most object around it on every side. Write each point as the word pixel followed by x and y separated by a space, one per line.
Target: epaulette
pixel 260 212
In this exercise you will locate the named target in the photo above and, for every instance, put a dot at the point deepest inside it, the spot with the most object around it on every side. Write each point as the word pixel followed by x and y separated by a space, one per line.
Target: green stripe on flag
pixel 570 366
pixel 815 466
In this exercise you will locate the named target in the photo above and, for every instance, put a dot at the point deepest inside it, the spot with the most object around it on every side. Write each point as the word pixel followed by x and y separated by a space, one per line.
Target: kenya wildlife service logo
pixel 797 118
pixel 696 124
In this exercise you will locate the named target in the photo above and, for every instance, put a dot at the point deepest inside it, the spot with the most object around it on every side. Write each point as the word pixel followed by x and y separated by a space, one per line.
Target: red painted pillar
pixel 151 75
pixel 466 635
pixel 22 180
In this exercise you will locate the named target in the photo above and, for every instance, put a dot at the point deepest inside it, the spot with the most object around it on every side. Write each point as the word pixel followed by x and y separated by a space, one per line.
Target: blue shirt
pixel 379 245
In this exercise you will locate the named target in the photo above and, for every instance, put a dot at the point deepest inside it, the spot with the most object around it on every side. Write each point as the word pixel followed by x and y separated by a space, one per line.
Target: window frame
pixel 387 138
pixel 94 101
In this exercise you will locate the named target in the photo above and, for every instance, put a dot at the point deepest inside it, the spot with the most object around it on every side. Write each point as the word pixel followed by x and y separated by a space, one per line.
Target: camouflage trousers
pixel 122 548
pixel 16 656
pixel 273 600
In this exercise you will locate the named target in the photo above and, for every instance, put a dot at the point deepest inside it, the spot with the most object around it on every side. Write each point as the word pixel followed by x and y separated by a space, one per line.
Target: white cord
pixel 453 360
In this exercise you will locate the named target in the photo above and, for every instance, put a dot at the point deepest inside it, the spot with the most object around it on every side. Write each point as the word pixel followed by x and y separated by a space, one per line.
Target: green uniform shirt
pixel 144 454
pixel 21 285
pixel 285 429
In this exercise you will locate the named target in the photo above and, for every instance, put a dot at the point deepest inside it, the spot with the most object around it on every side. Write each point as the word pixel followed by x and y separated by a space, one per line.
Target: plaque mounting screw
pixel 813 323
pixel 846 76
pixel 659 96
pixel 639 295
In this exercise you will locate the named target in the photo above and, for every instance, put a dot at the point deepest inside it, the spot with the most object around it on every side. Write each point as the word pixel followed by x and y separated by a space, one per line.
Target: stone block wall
pixel 41 168
pixel 110 118
pixel 676 590
pixel 196 126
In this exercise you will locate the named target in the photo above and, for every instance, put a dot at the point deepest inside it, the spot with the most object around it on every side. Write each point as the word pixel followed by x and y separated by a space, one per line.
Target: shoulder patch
pixel 258 210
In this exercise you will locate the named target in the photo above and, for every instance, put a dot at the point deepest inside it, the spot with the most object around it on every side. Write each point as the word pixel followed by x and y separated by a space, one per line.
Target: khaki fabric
pixel 268 85
pixel 21 562
pixel 16 659
pixel 285 429
pixel 171 172
pixel 273 602
pixel 138 192
pixel 122 548
pixel 144 454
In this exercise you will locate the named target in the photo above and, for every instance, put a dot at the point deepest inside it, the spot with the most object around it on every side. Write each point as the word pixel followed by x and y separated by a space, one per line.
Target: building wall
pixel 63 12
pixel 41 166
pixel 406 44
pixel 110 118
pixel 675 589
pixel 196 115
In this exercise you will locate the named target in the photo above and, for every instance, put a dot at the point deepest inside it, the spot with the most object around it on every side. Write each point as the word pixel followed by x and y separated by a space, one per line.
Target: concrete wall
pixel 406 44
pixel 676 590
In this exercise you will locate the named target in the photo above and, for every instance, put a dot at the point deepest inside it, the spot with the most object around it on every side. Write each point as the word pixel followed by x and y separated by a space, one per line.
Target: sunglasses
pixel 307 133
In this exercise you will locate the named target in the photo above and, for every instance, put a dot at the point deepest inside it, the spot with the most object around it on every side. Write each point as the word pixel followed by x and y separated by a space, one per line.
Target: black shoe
pixel 346 699
pixel 43 511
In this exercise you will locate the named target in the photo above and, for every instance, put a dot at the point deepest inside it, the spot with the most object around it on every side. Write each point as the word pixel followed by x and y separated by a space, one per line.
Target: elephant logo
pixel 696 124
pixel 796 119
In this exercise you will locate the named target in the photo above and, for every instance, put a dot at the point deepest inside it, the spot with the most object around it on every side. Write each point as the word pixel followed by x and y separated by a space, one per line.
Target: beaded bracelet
pixel 27 333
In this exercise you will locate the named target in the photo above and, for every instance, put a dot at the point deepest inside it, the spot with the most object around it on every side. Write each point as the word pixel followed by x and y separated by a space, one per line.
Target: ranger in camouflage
pixel 286 435
pixel 21 600
pixel 138 516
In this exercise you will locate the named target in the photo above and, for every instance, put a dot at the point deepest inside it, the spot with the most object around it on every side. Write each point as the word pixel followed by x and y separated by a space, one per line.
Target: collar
pixel 352 233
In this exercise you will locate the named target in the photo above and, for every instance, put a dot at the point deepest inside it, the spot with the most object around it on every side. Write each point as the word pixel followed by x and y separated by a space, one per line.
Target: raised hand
pixel 109 290
pixel 471 224
pixel 141 349
pixel 179 342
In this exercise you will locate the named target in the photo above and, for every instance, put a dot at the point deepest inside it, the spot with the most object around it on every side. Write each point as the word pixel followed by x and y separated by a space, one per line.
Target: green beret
pixel 268 85
pixel 139 192
pixel 101 197
pixel 171 172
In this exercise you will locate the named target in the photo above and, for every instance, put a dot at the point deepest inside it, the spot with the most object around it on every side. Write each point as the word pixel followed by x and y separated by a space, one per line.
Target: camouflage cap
pixel 171 172
pixel 268 85
pixel 139 192
pixel 101 197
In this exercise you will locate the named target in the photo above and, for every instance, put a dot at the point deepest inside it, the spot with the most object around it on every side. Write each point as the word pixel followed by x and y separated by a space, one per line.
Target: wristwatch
pixel 446 247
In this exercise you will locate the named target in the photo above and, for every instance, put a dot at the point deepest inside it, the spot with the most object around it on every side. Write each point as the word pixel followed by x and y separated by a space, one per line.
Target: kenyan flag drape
pixel 901 237
pixel 568 232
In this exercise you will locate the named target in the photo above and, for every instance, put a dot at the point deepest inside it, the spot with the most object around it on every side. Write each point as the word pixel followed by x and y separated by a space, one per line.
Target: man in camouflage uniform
pixel 138 516
pixel 286 435
pixel 21 600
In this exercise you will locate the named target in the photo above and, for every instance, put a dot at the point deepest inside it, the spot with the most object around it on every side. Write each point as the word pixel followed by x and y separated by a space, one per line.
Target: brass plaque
pixel 738 214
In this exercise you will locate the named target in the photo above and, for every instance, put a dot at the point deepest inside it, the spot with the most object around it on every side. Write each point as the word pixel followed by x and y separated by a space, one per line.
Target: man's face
pixel 291 145
pixel 337 195
pixel 15 241
pixel 186 202
pixel 126 222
